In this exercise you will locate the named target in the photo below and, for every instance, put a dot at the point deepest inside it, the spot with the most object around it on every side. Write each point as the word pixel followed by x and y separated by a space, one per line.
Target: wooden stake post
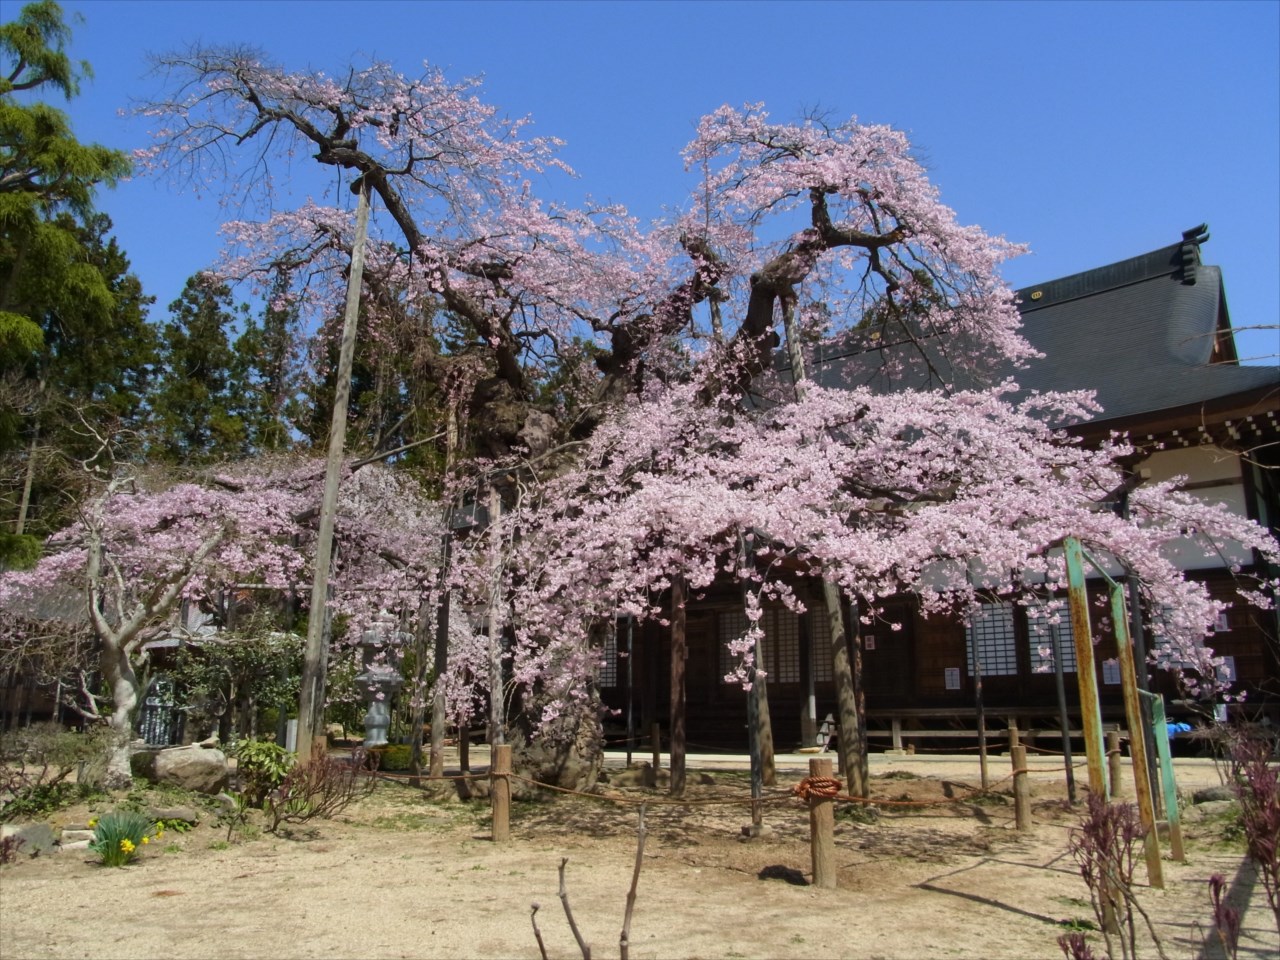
pixel 1114 760
pixel 822 820
pixel 1021 788
pixel 500 792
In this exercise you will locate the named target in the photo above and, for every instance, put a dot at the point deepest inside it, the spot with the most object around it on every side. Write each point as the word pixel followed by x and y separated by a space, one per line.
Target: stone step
pixel 71 835
pixel 74 845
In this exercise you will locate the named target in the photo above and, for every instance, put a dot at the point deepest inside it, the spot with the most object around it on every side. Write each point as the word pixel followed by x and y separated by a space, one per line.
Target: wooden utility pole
pixel 315 660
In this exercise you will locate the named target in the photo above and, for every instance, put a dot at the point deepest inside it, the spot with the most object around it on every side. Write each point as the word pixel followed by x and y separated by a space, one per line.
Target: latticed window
pixel 609 659
pixel 1044 637
pixel 781 643
pixel 820 641
pixel 990 633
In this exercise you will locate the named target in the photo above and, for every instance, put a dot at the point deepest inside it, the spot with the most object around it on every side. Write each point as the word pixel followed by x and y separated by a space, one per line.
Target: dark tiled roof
pixel 1136 333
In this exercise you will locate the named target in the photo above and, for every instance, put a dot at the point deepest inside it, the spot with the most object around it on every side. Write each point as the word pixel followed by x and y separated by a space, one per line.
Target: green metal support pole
pixel 1086 672
pixel 1158 724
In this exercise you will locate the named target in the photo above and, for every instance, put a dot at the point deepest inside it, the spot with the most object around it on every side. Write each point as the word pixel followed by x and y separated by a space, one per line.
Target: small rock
pixel 1212 794
pixel 74 845
pixel 34 838
pixel 226 803
pixel 706 779
pixel 75 836
pixel 641 775
pixel 1209 810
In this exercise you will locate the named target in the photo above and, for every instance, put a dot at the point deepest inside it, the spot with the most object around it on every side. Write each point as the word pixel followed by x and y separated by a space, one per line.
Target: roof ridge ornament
pixel 1189 253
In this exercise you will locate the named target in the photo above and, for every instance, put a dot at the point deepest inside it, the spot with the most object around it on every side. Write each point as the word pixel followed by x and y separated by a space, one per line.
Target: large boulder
pixel 195 767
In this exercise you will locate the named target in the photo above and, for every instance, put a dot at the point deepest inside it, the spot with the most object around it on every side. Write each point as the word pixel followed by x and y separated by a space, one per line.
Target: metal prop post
pixel 1133 717
pixel 1158 725
pixel 1086 672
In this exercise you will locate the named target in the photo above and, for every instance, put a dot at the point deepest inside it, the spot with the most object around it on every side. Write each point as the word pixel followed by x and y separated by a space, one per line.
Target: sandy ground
pixel 935 875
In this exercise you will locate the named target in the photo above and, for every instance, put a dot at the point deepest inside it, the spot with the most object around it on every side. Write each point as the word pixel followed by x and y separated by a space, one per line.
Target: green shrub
pixel 39 801
pixel 36 762
pixel 120 835
pixel 20 551
pixel 393 756
pixel 262 766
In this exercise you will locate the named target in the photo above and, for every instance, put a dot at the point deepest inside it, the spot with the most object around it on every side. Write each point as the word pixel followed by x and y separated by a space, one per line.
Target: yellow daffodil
pixel 127 845
pixel 146 839
pixel 93 822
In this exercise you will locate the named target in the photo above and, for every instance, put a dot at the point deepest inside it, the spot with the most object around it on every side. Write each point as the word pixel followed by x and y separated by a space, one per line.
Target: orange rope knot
pixel 824 787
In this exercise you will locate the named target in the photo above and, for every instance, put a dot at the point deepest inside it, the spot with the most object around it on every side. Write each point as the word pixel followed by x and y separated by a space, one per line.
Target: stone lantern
pixel 379 680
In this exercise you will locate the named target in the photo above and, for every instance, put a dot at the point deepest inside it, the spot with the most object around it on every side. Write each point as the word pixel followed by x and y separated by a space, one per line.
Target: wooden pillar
pixel 981 714
pixel 1064 720
pixel 655 743
pixel 679 656
pixel 809 709
pixel 822 844
pixel 631 690
pixel 500 791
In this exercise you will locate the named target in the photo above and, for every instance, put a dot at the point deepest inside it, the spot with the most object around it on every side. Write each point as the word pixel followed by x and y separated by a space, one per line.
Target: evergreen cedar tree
pixel 73 335
pixel 616 381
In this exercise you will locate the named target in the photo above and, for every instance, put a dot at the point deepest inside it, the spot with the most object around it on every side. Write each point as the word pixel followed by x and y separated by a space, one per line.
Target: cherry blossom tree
pixel 953 498
pixel 618 383
pixel 142 548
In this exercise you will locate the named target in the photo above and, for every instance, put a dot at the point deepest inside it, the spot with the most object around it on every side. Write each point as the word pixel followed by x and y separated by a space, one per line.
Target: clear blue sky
pixel 1091 131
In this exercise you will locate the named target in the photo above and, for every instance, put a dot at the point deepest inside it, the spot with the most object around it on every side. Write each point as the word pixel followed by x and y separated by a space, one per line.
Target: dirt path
pixel 403 877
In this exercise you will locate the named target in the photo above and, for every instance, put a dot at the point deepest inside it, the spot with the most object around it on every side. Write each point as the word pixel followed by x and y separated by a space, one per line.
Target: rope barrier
pixel 827 787
pixel 653 801
pixel 822 787
pixel 395 775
